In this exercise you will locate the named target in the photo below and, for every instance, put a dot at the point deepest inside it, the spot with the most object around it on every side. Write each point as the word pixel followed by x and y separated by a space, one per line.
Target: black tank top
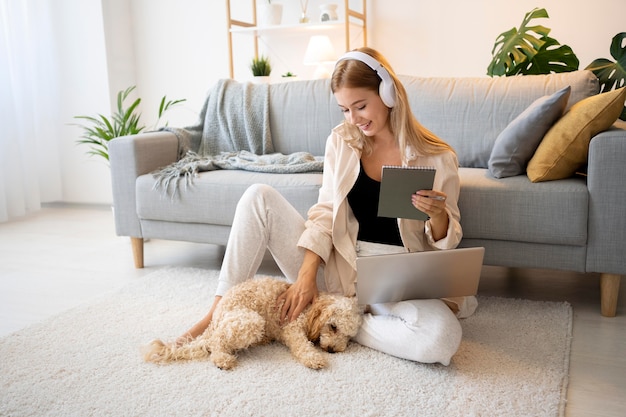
pixel 363 199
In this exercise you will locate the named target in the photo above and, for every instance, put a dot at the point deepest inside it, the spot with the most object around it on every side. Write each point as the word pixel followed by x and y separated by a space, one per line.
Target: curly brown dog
pixel 247 316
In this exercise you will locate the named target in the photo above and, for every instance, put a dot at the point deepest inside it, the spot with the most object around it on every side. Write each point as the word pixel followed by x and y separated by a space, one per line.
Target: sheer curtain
pixel 30 125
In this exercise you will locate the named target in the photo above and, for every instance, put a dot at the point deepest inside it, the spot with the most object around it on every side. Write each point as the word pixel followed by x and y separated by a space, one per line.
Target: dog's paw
pixel 154 351
pixel 223 360
pixel 315 360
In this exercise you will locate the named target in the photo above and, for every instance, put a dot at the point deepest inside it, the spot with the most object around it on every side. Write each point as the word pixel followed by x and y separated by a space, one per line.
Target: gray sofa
pixel 576 224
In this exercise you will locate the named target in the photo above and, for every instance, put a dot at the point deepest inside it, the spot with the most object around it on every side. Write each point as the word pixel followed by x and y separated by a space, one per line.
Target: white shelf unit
pixel 352 19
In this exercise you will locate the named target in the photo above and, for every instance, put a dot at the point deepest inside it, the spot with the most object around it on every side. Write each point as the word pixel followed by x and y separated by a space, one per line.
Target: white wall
pixel 455 37
pixel 179 49
pixel 84 91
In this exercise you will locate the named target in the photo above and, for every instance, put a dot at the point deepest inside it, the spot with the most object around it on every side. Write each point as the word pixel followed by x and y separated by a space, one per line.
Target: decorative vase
pixel 270 14
pixel 304 5
pixel 329 12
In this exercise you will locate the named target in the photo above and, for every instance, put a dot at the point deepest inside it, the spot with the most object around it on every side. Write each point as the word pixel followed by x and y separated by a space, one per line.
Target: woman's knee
pixel 257 192
pixel 257 198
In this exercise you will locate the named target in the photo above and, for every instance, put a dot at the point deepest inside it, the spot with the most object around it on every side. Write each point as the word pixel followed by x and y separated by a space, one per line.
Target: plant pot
pixel 270 14
pixel 261 79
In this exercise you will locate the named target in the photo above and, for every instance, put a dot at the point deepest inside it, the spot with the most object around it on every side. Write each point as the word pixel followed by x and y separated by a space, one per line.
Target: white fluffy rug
pixel 513 361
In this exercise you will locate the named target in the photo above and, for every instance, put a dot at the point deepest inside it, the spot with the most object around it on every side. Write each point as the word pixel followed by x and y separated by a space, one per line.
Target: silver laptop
pixel 418 275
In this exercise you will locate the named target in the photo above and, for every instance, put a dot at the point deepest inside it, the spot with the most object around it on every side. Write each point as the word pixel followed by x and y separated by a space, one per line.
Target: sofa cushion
pixel 517 210
pixel 565 147
pixel 470 113
pixel 213 196
pixel 517 143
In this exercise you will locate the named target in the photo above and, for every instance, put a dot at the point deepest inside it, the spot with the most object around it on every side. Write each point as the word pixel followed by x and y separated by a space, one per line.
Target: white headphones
pixel 386 89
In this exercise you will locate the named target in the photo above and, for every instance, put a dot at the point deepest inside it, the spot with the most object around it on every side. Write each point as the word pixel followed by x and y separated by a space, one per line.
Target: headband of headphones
pixel 386 89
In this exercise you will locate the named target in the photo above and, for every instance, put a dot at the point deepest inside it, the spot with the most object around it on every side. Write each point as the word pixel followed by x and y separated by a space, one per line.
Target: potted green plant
pixel 99 130
pixel 612 74
pixel 289 76
pixel 529 50
pixel 261 67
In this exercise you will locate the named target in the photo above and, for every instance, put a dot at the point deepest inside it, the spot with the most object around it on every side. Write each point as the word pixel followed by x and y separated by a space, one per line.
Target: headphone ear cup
pixel 387 93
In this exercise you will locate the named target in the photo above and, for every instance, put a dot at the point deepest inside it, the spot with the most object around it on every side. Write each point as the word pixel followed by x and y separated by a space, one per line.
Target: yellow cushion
pixel 565 146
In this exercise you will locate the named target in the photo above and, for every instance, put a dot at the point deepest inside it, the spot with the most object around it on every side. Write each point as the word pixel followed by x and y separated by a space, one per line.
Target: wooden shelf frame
pixel 352 18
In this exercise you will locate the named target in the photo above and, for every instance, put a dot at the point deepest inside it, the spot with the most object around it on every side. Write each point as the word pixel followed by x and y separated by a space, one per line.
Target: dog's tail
pixel 159 352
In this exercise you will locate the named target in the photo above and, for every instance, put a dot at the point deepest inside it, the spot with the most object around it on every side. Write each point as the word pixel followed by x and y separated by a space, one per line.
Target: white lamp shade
pixel 319 51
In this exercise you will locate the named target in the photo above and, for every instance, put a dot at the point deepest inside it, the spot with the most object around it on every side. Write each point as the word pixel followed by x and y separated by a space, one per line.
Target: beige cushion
pixel 565 146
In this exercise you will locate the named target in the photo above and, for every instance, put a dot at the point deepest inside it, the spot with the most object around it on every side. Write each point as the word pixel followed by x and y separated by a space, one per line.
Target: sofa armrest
pixel 607 201
pixel 130 157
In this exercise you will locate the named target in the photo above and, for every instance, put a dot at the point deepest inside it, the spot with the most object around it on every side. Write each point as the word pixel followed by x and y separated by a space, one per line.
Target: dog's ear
pixel 317 316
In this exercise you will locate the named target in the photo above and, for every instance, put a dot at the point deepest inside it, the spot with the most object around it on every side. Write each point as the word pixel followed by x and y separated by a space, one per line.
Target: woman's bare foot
pixel 183 340
pixel 199 327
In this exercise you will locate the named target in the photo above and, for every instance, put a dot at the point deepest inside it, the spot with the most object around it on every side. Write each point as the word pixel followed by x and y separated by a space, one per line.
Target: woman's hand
pixel 430 202
pixel 301 293
pixel 433 203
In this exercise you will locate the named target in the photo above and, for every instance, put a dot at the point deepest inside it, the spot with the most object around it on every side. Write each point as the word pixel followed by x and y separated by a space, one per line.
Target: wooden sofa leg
pixel 137 245
pixel 609 290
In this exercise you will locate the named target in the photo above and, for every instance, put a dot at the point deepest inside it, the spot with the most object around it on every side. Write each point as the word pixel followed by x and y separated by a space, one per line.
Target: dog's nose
pixel 329 349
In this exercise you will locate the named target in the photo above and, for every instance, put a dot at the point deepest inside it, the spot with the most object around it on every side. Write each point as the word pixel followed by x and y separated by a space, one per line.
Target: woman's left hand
pixel 430 202
pixel 433 203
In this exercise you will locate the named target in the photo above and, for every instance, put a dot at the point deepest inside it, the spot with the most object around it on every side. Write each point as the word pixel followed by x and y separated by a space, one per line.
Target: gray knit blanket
pixel 232 132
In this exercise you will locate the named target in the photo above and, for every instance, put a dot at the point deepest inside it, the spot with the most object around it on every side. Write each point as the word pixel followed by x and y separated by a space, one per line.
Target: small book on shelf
pixel 396 187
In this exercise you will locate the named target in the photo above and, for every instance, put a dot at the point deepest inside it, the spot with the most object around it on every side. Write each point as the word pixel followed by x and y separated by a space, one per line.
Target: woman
pixel 320 252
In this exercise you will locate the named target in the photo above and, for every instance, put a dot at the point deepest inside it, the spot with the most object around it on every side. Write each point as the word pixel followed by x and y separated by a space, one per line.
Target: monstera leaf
pixel 529 50
pixel 612 74
pixel 551 57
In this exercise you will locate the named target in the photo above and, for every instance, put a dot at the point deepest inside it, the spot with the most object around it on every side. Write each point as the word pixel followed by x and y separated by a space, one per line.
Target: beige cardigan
pixel 331 228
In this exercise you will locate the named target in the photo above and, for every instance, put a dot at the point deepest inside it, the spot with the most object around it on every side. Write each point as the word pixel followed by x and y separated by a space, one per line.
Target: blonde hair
pixel 404 126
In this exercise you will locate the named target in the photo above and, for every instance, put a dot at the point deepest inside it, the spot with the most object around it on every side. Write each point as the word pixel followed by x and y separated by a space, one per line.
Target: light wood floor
pixel 65 255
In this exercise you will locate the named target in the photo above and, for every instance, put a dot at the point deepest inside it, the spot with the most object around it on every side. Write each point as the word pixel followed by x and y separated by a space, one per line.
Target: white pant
pixel 264 220
pixel 419 330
